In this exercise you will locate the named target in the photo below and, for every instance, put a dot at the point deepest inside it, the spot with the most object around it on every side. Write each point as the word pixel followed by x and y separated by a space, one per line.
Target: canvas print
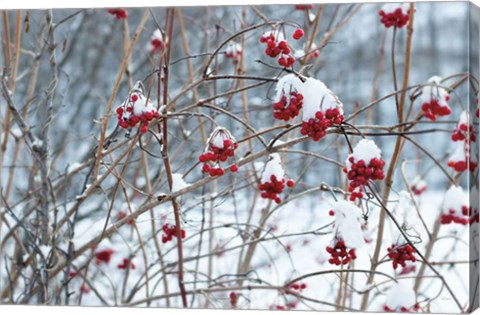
pixel 316 157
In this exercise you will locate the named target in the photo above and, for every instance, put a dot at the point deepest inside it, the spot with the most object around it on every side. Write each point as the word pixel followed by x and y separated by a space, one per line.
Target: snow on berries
pixel 362 166
pixel 394 14
pixel 435 99
pixel 456 207
pixel 464 130
pixel 289 101
pixel 118 13
pixel 321 108
pixel 400 254
pixel 234 52
pixel 463 135
pixel 419 186
pixel 348 234
pixel 277 46
pixel 220 147
pixel 157 42
pixel 170 231
pixel 273 179
pixel 103 256
pixel 136 109
pixel 401 298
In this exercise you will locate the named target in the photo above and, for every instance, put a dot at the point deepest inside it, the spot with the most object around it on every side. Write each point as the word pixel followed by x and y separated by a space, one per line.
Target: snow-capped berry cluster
pixel 435 99
pixel 455 207
pixel 463 135
pixel 126 264
pixel 362 166
pixel 400 299
pixel 170 231
pixel 157 42
pixel 103 256
pixel 464 130
pixel 394 14
pixel 304 7
pixel 234 52
pixel 288 107
pixel 221 146
pixel 320 111
pixel 119 13
pixel 273 179
pixel 348 234
pixel 400 254
pixel 136 108
pixel 278 46
pixel 419 186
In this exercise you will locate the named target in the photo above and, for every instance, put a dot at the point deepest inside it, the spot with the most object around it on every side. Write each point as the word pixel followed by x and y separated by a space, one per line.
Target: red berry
pixel 298 34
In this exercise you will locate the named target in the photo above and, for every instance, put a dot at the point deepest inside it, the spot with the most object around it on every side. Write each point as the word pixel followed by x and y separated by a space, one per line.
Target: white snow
pixel 178 182
pixel 273 167
pixel 455 198
pixel 347 224
pixel 400 296
pixel 434 91
pixel 316 95
pixel 364 150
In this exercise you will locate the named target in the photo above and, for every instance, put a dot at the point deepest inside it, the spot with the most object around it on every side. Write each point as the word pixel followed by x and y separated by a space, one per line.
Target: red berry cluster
pixel 122 215
pixel 402 309
pixel 462 166
pixel 119 13
pixel 103 256
pixel 273 188
pixel 474 218
pixel 340 254
pixel 298 286
pixel 126 114
pixel 433 109
pixel 407 269
pixel 418 190
pixel 220 147
pixel 316 128
pixel 234 52
pixel 396 18
pixel 304 7
pixel 234 299
pixel 464 132
pixel 400 254
pixel 127 263
pixel 452 217
pixel 360 174
pixel 286 109
pixel 277 46
pixel 170 231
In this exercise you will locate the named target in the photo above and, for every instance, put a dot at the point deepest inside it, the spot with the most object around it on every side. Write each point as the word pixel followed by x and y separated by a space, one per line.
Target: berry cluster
pixel 103 256
pixel 340 254
pixel 402 309
pixel 273 188
pixel 360 174
pixel 234 52
pixel 157 42
pixel 221 146
pixel 288 108
pixel 278 46
pixel 119 13
pixel 122 215
pixel 304 7
pixel 298 286
pixel 419 186
pixel 434 108
pixel 136 109
pixel 464 132
pixel 397 18
pixel 400 254
pixel 126 263
pixel 170 231
pixel 316 128
pixel 233 299
pixel 453 217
